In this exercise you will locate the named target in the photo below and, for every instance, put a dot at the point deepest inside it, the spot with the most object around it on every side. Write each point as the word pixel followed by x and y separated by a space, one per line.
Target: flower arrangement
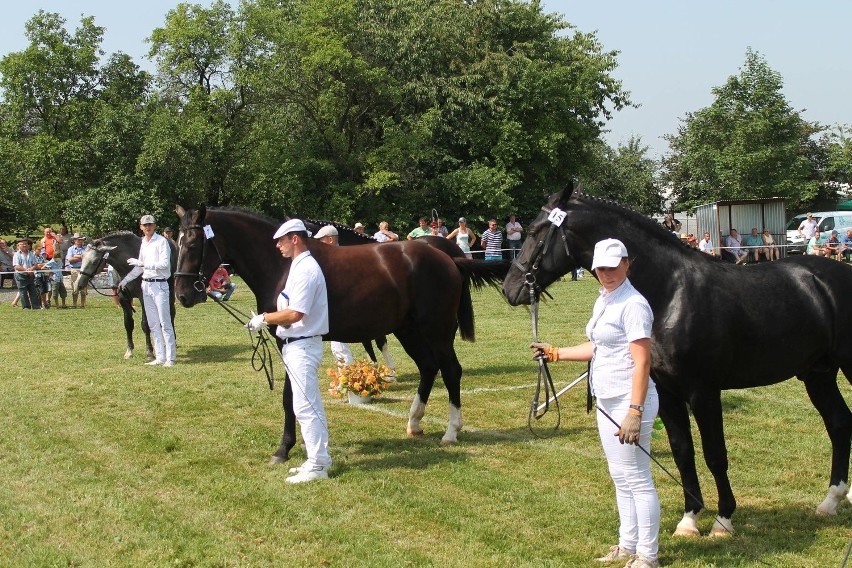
pixel 361 377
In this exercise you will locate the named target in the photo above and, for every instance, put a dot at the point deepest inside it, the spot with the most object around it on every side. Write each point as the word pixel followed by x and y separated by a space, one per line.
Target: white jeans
pixel 302 359
pixel 342 353
pixel 156 300
pixel 630 469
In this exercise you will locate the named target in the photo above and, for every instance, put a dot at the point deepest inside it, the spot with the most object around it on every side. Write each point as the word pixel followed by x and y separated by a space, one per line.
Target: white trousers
pixel 302 359
pixel 155 296
pixel 630 469
pixel 341 353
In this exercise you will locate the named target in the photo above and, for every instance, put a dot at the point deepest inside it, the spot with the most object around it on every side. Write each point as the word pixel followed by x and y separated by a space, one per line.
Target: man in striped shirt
pixel 492 241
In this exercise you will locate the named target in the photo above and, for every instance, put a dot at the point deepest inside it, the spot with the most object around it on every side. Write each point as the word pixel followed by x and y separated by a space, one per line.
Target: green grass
pixel 106 462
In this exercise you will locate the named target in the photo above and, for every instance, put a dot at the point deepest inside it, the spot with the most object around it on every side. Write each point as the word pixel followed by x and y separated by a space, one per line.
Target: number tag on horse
pixel 106 255
pixel 557 216
pixel 208 231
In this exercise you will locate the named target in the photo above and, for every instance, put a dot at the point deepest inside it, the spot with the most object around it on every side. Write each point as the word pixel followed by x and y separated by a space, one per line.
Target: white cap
pixel 608 253
pixel 326 231
pixel 147 219
pixel 290 226
pixel 359 225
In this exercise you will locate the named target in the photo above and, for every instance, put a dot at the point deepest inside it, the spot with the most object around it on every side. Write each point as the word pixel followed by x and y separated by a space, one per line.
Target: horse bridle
pixel 200 283
pixel 541 249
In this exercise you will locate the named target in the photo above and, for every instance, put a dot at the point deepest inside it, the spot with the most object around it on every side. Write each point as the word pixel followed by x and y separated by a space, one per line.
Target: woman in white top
pixel 772 252
pixel 619 349
pixel 463 236
pixel 384 234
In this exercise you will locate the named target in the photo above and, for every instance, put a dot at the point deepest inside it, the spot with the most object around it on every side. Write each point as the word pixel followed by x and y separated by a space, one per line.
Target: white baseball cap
pixel 290 226
pixel 359 225
pixel 147 220
pixel 326 231
pixel 608 253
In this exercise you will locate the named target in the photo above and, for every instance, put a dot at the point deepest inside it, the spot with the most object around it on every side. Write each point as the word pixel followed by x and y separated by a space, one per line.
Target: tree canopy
pixel 341 109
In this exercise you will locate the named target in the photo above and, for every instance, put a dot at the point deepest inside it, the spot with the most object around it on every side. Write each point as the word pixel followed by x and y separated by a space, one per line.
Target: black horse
pixel 716 326
pixel 410 289
pixel 114 249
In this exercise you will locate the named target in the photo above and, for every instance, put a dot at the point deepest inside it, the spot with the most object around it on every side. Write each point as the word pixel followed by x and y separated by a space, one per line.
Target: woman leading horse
pixel 716 326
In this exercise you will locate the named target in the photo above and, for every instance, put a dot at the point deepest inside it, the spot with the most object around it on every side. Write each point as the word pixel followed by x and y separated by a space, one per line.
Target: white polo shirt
pixel 306 293
pixel 619 317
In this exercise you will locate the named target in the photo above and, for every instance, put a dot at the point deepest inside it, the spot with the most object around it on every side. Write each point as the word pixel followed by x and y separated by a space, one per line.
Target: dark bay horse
pixel 410 289
pixel 114 249
pixel 716 326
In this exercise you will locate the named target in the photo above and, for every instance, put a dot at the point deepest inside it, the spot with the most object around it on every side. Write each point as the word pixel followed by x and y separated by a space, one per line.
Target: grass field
pixel 106 462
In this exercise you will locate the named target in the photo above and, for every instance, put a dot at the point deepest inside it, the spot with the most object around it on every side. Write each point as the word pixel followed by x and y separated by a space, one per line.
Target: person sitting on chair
pixel 221 286
pixel 769 246
pixel 832 246
pixel 734 244
pixel 816 246
pixel 754 242
pixel 846 245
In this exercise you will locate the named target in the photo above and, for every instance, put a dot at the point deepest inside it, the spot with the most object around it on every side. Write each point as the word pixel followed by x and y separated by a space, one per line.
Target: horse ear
pixel 202 211
pixel 180 211
pixel 566 192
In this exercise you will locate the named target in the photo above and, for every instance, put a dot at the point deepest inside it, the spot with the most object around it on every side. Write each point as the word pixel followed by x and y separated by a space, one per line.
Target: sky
pixel 672 52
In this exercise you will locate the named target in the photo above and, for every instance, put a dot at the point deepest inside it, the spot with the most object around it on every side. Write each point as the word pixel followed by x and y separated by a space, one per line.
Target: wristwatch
pixel 638 407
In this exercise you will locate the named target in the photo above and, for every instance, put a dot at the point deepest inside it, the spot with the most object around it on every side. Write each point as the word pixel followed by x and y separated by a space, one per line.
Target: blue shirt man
pixel 846 245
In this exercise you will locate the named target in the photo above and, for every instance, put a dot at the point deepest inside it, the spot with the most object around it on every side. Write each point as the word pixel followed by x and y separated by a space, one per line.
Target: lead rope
pixel 261 356
pixel 537 411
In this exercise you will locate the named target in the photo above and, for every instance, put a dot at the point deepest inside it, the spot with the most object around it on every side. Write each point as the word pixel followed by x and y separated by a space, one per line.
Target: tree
pixel 748 143
pixel 626 175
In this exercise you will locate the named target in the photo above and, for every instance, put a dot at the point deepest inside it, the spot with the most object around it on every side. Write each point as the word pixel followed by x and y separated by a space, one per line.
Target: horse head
pixel 194 264
pixel 546 254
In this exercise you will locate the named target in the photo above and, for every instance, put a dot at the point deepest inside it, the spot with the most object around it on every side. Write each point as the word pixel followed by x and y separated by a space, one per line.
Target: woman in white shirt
pixel 384 234
pixel 463 236
pixel 619 349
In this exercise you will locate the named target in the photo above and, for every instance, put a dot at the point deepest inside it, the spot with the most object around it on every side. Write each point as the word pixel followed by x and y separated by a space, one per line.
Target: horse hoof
pixel 825 512
pixel 718 532
pixel 446 442
pixel 415 433
pixel 128 354
pixel 687 532
pixel 275 460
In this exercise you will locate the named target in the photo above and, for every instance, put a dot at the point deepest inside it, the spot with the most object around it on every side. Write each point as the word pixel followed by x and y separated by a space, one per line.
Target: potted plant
pixel 360 381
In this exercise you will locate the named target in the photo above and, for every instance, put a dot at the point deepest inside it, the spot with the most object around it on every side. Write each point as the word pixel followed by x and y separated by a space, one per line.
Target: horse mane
pixel 341 227
pixel 115 234
pixel 643 220
pixel 250 212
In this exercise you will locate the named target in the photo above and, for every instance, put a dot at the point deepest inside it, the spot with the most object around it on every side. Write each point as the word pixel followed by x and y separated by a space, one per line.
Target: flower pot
pixel 358 399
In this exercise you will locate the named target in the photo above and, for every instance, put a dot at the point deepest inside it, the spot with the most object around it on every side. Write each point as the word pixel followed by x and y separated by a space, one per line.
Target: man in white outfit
pixel 341 351
pixel 154 265
pixel 302 320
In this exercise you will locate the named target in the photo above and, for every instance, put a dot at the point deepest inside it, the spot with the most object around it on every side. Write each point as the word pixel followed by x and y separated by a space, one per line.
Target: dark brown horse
pixel 717 326
pixel 410 289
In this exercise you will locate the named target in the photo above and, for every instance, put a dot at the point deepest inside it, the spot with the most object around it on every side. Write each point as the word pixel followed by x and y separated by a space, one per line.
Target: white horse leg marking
pixel 129 353
pixel 454 426
pixel 688 525
pixel 418 409
pixel 722 527
pixel 832 500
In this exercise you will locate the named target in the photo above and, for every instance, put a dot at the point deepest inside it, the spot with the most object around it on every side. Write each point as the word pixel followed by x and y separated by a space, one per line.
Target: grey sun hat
pixel 147 220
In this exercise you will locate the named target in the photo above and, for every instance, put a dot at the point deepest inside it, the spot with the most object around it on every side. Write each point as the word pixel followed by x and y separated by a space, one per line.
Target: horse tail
pixel 479 274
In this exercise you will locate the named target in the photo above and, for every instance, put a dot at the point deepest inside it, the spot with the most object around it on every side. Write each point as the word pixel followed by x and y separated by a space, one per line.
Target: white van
pixel 826 222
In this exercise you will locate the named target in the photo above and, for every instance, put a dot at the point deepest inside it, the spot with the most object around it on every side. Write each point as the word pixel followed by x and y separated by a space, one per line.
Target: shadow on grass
pixel 761 533
pixel 215 353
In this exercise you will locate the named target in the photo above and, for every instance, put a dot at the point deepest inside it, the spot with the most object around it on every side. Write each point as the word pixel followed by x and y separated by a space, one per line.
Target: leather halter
pixel 200 283
pixel 541 249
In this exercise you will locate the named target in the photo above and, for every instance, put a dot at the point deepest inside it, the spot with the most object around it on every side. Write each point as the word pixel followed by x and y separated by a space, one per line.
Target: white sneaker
pixel 169 364
pixel 615 554
pixel 316 472
pixel 642 561
pixel 299 469
pixel 155 362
